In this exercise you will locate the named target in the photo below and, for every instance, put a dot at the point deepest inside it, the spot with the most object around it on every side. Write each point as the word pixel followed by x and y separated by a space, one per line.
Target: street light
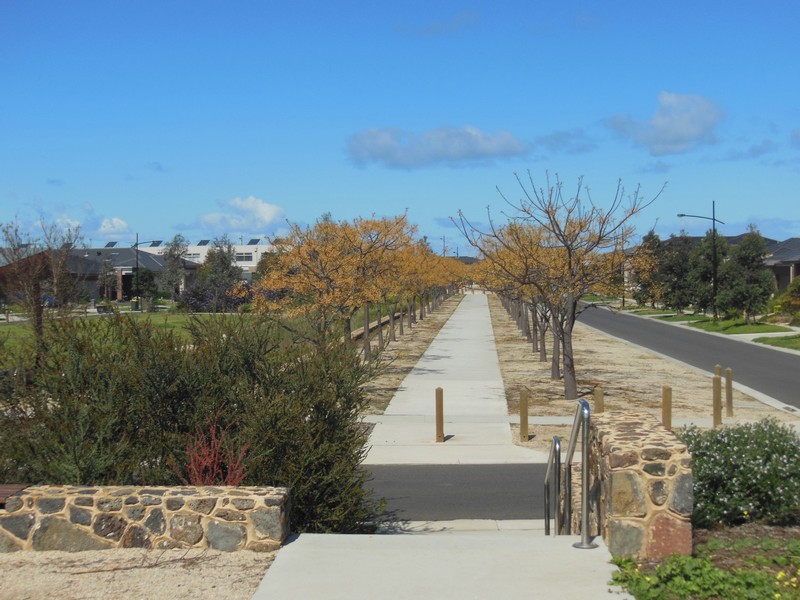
pixel 136 248
pixel 714 221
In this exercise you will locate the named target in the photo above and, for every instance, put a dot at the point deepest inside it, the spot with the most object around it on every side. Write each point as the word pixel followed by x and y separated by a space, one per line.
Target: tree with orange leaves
pixel 330 270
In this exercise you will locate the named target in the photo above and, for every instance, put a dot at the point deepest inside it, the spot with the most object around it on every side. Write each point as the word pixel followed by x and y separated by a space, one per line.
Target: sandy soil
pixel 132 574
pixel 632 378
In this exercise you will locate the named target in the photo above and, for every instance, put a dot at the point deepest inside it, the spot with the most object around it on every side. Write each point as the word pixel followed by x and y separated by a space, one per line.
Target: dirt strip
pixel 631 377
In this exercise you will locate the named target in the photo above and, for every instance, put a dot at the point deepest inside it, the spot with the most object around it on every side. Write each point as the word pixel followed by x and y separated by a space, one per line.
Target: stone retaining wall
pixel 96 518
pixel 641 485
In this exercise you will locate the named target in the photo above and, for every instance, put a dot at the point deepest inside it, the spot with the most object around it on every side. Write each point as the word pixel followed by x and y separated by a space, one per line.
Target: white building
pixel 246 256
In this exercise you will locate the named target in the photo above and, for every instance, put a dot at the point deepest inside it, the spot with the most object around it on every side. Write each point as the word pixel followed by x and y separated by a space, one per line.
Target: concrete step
pixel 442 560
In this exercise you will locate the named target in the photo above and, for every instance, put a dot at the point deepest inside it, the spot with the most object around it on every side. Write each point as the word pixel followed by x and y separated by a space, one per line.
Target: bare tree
pixel 37 265
pixel 562 246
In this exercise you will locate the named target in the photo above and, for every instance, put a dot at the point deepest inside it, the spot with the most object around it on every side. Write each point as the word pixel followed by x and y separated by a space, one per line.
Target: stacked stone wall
pixel 641 486
pixel 96 518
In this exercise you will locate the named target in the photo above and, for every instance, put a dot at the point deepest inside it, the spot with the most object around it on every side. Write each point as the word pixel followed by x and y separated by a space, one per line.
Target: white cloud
pixel 574 141
pixel 444 145
pixel 681 123
pixel 754 151
pixel 454 24
pixel 156 166
pixel 245 215
pixel 113 226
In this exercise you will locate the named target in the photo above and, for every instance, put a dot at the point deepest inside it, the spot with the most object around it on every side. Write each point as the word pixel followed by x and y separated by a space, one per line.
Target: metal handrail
pixel 579 425
pixel 553 470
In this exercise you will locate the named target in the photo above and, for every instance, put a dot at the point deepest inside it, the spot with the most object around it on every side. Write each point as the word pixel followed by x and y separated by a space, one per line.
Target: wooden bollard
pixel 729 392
pixel 599 400
pixel 717 400
pixel 523 415
pixel 666 407
pixel 439 415
pixel 718 370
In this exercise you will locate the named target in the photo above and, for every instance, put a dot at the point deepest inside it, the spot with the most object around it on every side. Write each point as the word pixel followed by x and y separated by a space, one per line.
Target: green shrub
pixel 297 408
pixel 106 403
pixel 117 401
pixel 745 473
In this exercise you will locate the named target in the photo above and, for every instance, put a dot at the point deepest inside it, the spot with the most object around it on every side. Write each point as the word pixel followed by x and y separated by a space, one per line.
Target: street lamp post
pixel 714 221
pixel 136 273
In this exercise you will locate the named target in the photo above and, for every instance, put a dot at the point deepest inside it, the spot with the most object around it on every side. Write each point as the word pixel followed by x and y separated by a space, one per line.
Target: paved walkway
pixel 462 360
pixel 444 559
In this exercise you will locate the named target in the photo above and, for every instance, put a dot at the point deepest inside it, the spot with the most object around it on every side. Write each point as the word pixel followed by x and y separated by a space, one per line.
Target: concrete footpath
pixel 444 559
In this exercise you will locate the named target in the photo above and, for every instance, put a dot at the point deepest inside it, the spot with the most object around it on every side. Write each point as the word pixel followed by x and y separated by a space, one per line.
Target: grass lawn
pixel 790 341
pixel 13 334
pixel 735 326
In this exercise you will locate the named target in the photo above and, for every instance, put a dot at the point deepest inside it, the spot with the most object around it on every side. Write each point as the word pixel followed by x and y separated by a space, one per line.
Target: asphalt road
pixel 447 492
pixel 764 369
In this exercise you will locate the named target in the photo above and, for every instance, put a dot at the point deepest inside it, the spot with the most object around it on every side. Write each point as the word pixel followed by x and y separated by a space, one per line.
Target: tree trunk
pixel 38 316
pixel 380 327
pixel 348 330
pixel 555 359
pixel 400 306
pixel 526 325
pixel 534 329
pixel 392 337
pixel 570 378
pixel 542 342
pixel 367 349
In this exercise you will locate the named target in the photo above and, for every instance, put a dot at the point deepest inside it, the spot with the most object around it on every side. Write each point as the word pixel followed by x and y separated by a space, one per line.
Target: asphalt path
pixel 448 492
pixel 771 372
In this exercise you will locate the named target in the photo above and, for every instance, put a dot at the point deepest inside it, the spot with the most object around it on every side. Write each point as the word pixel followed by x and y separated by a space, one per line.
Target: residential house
pixel 784 260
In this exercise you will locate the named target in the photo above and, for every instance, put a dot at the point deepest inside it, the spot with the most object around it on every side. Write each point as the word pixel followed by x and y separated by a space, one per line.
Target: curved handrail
pixel 579 425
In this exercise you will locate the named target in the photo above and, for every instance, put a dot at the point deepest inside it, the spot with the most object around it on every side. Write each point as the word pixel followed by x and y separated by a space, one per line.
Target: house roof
pixel 125 258
pixel 786 252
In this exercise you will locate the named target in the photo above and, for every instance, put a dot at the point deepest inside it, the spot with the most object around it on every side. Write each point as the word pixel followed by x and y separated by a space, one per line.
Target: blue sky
pixel 206 118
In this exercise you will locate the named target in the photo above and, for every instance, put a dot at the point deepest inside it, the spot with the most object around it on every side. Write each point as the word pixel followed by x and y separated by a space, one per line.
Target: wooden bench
pixel 9 489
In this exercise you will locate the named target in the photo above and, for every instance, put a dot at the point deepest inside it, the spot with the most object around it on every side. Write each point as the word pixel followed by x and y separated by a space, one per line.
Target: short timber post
pixel 717 400
pixel 523 415
pixel 729 392
pixel 599 400
pixel 666 407
pixel 439 415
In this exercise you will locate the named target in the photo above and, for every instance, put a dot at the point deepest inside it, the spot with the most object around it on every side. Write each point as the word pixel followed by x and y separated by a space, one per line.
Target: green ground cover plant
pixel 698 577
pixel 122 401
